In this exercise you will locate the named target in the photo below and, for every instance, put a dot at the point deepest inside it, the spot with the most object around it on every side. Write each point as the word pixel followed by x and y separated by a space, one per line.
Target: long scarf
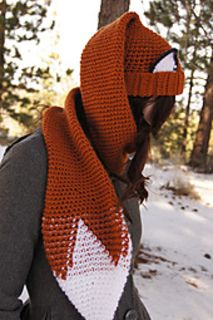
pixel 84 230
pixel 86 238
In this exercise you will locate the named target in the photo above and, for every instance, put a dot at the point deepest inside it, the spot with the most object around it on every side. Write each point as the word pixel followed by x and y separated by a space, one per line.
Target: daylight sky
pixel 76 22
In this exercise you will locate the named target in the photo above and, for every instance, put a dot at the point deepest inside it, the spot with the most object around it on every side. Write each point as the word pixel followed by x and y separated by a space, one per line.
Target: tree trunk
pixel 2 44
pixel 186 120
pixel 200 149
pixel 191 81
pixel 111 10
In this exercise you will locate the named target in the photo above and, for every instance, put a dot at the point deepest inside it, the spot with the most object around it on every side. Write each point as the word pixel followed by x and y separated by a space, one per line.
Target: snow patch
pixel 176 281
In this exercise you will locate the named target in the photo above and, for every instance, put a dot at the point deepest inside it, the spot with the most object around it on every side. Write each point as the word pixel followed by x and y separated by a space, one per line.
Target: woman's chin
pixel 131 155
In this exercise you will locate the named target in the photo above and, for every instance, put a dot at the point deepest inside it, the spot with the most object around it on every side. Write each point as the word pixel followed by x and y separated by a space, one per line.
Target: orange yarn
pixel 78 187
pixel 142 48
pixel 114 64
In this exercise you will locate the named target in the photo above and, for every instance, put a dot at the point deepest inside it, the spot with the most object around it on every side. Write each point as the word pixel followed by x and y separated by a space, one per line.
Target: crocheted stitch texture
pixel 86 238
pixel 84 230
pixel 115 64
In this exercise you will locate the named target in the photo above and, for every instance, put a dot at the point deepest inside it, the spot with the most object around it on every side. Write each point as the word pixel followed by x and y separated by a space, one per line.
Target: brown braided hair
pixel 163 106
pixel 135 180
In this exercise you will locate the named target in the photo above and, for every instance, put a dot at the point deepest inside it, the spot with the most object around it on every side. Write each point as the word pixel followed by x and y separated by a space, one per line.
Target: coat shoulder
pixel 29 147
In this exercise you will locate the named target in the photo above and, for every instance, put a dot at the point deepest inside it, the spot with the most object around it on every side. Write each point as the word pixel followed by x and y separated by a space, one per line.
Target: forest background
pixel 40 46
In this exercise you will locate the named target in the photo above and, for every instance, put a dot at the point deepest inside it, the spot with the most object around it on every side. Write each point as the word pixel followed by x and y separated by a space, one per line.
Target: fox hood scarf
pixel 85 234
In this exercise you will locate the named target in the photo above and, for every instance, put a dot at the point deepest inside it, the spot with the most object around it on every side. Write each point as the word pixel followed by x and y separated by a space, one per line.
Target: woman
pixel 69 193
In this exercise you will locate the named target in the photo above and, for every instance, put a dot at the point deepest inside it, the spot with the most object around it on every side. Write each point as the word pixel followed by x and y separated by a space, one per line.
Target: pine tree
pixel 199 156
pixel 188 25
pixel 21 24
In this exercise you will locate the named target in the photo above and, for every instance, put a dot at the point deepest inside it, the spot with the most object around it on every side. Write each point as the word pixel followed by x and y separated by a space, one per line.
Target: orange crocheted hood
pixel 115 63
pixel 86 238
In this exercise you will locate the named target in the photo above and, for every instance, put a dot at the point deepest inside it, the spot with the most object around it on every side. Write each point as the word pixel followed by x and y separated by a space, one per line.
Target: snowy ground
pixel 175 270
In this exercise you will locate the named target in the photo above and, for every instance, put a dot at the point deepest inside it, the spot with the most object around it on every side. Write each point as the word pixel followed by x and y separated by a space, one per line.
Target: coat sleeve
pixel 139 305
pixel 22 186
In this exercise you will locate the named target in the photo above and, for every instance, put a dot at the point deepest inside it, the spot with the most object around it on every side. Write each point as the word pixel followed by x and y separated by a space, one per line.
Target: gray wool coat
pixel 23 176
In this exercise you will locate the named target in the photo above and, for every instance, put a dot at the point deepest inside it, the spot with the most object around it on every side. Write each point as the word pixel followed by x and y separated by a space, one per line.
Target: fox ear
pixel 167 62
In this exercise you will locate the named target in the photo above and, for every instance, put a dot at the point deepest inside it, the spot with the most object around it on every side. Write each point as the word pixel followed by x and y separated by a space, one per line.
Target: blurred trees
pixel 199 156
pixel 168 144
pixel 21 24
pixel 188 24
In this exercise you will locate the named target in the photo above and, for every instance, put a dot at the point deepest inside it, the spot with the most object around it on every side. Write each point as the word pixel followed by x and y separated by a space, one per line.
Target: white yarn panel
pixel 94 285
pixel 167 63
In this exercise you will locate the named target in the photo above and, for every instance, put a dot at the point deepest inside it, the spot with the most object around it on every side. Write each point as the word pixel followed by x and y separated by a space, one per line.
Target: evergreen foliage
pixel 21 24
pixel 187 24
